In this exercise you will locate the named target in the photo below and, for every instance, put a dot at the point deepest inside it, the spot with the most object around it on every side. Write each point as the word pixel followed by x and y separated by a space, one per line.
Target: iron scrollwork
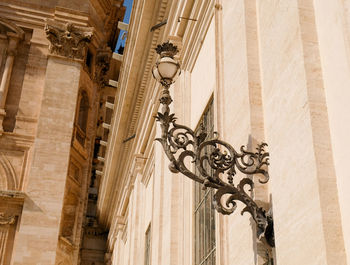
pixel 180 143
pixel 216 161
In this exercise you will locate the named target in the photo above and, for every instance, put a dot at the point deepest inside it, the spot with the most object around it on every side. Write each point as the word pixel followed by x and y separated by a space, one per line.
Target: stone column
pixel 3 241
pixel 36 240
pixel 6 223
pixel 13 40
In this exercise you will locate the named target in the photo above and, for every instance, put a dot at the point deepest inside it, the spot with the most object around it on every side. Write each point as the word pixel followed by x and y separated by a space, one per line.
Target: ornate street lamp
pixel 215 160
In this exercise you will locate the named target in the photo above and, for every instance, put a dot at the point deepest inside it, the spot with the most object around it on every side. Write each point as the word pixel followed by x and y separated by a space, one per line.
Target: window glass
pixel 204 212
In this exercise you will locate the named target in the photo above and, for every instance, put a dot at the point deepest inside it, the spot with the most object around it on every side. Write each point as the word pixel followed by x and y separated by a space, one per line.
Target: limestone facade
pixel 277 72
pixel 55 63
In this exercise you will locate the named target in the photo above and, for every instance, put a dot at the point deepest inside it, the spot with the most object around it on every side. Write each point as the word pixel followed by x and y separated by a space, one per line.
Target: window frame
pixel 207 241
pixel 148 246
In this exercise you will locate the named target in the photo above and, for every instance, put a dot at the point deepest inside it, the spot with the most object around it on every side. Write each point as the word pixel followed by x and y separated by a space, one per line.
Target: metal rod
pixel 157 26
pixel 186 18
pixel 129 138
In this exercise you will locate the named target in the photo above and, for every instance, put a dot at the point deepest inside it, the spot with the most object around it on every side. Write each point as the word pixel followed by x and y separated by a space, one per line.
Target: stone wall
pixel 277 72
pixel 43 71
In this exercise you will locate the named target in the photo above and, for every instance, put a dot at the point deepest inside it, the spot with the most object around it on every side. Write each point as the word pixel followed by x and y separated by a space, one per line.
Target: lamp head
pixel 166 69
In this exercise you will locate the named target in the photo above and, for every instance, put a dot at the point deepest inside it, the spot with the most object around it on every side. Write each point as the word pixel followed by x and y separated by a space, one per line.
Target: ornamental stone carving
pixel 103 57
pixel 67 40
pixel 7 220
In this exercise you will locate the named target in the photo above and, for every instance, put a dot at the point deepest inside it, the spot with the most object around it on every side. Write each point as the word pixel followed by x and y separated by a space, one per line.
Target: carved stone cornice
pixel 11 29
pixel 67 40
pixel 102 61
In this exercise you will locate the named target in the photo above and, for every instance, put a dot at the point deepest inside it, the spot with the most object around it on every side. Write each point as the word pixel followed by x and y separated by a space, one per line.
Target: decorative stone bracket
pixel 7 220
pixel 66 39
pixel 103 57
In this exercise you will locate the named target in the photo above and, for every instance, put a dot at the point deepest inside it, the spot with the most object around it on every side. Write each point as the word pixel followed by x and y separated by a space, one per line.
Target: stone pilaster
pixel 40 220
pixel 10 207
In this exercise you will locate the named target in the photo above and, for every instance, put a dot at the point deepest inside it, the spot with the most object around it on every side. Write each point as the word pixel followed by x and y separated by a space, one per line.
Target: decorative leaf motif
pixel 165 118
pixel 67 39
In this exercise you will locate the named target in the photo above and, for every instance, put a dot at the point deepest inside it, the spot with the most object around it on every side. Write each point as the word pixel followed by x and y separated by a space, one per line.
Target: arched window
pixel 83 111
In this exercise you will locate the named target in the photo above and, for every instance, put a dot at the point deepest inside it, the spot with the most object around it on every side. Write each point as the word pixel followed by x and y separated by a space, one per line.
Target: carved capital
pixel 67 40
pixel 103 57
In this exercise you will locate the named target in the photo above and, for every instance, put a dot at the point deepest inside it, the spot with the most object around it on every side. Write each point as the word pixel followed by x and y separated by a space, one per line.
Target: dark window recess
pixel 110 99
pixel 83 114
pixel 83 111
pixel 109 114
pixel 88 61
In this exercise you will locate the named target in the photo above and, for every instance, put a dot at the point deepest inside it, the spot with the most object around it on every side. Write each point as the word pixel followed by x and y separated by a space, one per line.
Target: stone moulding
pixel 11 27
pixel 66 39
pixel 8 173
pixel 11 195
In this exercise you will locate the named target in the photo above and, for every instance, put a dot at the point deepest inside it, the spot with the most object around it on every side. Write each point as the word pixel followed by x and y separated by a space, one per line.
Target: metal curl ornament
pixel 180 143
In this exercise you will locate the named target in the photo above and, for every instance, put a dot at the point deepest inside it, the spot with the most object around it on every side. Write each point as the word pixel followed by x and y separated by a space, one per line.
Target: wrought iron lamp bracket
pixel 183 146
